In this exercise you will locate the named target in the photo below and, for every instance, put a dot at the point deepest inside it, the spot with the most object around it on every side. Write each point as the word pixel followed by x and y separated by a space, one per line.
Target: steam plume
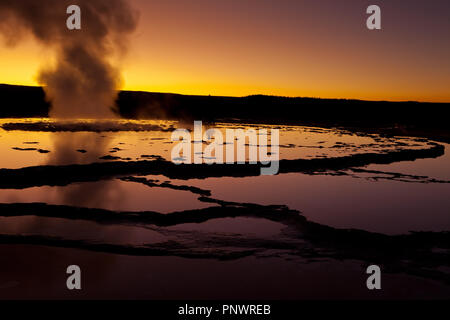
pixel 83 82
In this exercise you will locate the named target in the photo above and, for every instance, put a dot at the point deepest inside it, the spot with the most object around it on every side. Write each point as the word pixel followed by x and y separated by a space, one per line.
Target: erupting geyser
pixel 83 81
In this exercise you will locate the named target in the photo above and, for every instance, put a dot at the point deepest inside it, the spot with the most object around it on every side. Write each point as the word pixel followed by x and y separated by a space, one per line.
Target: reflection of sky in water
pixel 115 195
pixel 340 201
pixel 87 147
pixel 344 202
pixel 138 235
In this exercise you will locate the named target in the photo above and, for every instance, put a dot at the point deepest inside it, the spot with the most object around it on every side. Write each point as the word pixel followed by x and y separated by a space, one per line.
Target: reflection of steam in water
pixel 66 149
pixel 92 195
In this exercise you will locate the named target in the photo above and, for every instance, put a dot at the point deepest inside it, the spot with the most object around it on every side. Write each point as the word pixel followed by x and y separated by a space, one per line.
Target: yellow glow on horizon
pixel 166 84
pixel 19 70
pixel 162 73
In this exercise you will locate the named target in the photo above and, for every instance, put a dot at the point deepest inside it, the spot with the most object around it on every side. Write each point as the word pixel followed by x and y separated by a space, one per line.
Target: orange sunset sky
pixel 290 48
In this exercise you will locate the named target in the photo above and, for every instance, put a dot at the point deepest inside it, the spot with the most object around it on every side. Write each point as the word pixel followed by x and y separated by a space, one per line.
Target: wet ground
pixel 105 195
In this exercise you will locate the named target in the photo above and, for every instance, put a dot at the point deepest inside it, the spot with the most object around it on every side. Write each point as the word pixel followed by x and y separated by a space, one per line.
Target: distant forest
pixel 21 101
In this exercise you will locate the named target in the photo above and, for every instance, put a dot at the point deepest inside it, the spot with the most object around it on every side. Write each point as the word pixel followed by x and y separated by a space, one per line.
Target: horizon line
pixel 251 95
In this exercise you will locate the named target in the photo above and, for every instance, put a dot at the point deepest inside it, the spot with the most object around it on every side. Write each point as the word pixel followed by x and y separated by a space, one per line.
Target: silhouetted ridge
pixel 20 101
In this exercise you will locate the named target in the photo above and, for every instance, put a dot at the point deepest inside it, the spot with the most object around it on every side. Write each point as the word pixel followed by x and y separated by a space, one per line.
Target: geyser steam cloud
pixel 83 82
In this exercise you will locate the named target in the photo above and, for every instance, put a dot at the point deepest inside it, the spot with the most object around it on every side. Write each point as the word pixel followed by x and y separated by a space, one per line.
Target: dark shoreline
pixel 418 119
